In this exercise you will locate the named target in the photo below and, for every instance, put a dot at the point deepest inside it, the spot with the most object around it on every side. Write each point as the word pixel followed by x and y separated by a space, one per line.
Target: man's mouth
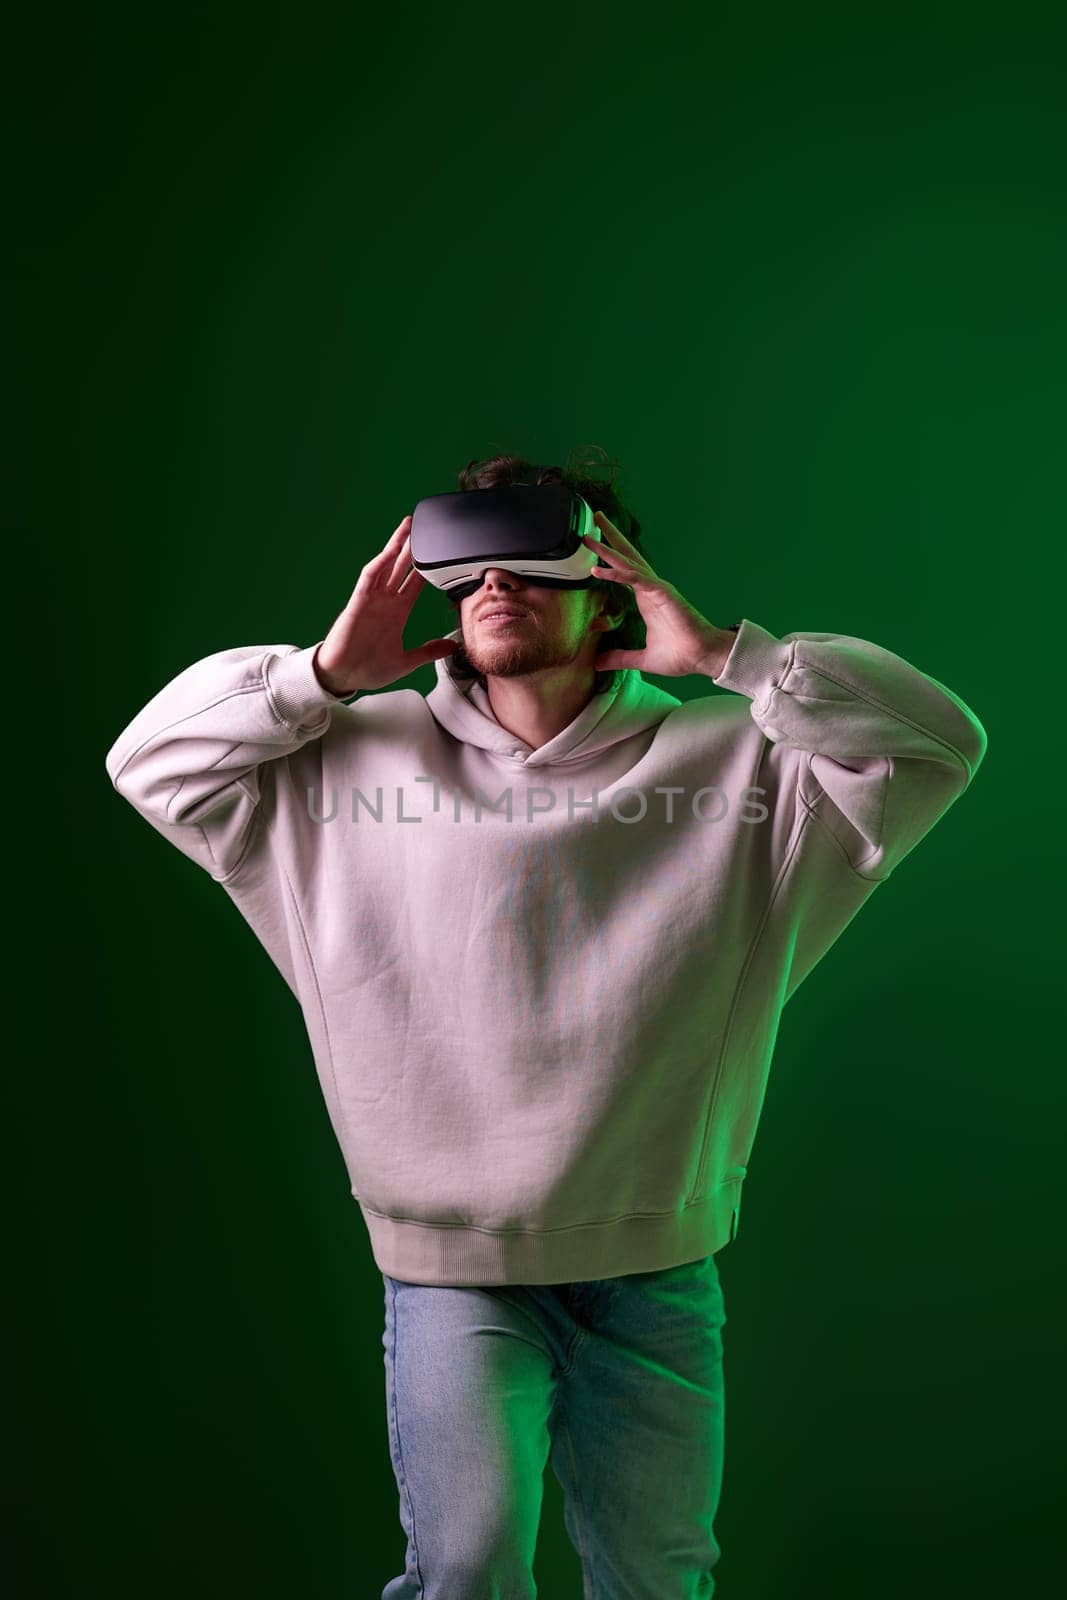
pixel 502 616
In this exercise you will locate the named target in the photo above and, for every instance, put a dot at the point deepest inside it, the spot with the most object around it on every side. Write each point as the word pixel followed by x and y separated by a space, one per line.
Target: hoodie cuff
pixel 757 663
pixel 294 689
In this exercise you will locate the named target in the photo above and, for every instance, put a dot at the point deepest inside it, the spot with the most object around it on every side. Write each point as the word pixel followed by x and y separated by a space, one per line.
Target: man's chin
pixel 506 663
pixel 512 658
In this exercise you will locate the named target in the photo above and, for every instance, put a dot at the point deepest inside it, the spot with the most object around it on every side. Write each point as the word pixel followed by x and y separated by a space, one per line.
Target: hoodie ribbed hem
pixel 295 691
pixel 444 1254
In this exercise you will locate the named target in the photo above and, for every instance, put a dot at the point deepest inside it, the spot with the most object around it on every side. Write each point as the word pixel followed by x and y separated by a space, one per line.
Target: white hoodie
pixel 544 1038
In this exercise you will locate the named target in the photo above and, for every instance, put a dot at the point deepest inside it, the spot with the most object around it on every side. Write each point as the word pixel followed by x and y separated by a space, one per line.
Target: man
pixel 542 938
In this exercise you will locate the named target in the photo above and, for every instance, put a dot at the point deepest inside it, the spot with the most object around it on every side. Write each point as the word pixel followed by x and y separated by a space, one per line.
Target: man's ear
pixel 607 619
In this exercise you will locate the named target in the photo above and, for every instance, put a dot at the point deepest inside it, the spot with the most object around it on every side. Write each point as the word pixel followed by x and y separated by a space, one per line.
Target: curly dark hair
pixel 493 472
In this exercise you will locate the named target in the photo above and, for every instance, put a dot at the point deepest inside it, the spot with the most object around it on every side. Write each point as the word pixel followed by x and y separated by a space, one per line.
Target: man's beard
pixel 510 658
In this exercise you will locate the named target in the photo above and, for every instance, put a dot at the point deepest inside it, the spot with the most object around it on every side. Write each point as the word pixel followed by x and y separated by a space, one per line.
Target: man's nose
pixel 500 577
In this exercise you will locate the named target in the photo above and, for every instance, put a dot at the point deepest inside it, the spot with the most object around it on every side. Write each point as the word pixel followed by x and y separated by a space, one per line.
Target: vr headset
pixel 533 530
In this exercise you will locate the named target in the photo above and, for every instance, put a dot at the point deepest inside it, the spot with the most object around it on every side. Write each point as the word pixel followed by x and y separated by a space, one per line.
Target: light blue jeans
pixel 621 1379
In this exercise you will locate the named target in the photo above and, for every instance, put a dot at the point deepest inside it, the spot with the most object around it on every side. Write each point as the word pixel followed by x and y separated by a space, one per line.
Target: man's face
pixel 552 627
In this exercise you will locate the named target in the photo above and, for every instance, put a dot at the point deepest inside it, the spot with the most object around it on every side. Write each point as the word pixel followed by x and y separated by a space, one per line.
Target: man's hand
pixel 678 640
pixel 364 649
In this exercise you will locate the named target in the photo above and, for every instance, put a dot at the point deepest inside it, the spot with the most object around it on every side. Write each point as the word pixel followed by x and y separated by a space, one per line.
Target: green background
pixel 280 273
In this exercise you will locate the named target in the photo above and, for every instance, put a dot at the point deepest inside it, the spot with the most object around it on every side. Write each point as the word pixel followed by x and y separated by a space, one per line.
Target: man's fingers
pixel 402 566
pixel 434 650
pixel 411 582
pixel 619 539
pixel 601 545
pixel 388 551
pixel 389 557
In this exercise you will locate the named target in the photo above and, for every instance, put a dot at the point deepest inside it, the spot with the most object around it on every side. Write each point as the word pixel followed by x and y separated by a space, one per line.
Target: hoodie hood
pixel 628 706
